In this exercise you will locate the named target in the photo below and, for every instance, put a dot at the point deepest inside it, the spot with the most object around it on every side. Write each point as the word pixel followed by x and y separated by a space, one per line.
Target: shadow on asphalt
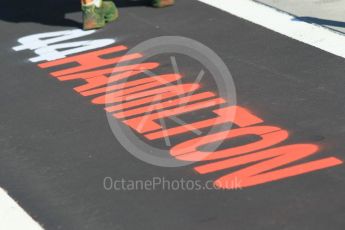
pixel 50 12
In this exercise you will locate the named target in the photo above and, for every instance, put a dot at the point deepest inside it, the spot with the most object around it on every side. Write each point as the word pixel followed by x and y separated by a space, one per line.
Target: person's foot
pixel 162 3
pixel 110 10
pixel 96 17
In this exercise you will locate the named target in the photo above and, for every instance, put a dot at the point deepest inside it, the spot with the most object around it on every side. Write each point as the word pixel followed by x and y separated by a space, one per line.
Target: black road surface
pixel 57 148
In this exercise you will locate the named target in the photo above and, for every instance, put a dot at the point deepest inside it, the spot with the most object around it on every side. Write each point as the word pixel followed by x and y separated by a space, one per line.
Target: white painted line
pixel 13 217
pixel 283 23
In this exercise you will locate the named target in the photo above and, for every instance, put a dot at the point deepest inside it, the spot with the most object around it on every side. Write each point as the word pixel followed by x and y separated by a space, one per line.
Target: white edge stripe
pixel 283 23
pixel 13 217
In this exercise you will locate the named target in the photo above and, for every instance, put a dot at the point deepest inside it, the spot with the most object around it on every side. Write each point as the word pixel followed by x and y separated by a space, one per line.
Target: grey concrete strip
pixel 329 13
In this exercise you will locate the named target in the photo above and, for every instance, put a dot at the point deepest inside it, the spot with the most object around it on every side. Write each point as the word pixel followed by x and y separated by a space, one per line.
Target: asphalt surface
pixel 57 148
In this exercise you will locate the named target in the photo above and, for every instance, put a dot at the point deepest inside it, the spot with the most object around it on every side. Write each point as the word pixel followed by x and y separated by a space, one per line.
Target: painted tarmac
pixel 58 152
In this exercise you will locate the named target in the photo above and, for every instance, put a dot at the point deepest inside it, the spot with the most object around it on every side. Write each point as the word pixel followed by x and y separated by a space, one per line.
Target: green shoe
pixel 110 10
pixel 162 3
pixel 96 17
